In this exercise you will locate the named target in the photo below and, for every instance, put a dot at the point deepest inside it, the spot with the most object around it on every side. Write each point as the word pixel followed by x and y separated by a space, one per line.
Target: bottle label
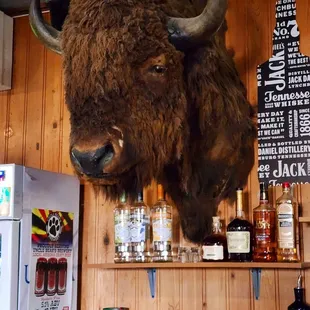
pixel 286 237
pixel 162 228
pixel 121 228
pixel 238 241
pixel 139 224
pixel 213 252
pixel 264 227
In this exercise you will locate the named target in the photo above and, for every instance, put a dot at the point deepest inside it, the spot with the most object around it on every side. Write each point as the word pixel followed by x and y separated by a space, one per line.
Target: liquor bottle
pixel 286 225
pixel 299 303
pixel 264 229
pixel 140 230
pixel 215 246
pixel 161 228
pixel 239 235
pixel 121 231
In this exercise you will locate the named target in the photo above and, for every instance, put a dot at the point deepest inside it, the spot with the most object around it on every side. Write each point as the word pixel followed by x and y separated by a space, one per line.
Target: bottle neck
pixel 216 228
pixel 299 294
pixel 140 197
pixel 239 211
pixel 160 192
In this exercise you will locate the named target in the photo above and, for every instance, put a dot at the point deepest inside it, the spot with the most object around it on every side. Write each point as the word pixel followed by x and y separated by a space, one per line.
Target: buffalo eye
pixel 158 69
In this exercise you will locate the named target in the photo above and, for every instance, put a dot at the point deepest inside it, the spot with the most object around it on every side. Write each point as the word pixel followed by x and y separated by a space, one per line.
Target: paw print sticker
pixel 53 226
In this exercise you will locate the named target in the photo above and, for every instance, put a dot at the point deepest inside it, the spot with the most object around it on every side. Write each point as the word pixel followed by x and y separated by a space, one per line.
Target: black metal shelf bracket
pixel 256 279
pixel 152 280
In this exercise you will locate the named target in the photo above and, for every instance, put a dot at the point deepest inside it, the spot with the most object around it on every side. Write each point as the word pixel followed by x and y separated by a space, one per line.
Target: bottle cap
pixel 216 219
pixel 122 197
pixel 299 285
pixel 160 192
pixel 286 185
pixel 140 196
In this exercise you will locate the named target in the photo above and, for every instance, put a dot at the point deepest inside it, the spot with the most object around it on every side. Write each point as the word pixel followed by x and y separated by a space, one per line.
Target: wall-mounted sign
pixel 284 105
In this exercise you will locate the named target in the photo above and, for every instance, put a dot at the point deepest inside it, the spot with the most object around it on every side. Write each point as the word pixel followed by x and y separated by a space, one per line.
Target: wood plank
pixel 143 295
pixel 267 298
pixel 216 289
pixel 126 289
pixel 191 289
pixel 239 289
pixel 15 129
pixel 35 102
pixel 105 286
pixel 287 280
pixel 169 294
pixel 52 102
pixel 4 106
pixel 208 265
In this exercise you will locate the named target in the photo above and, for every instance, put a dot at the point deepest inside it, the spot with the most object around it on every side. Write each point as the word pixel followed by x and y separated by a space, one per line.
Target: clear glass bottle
pixel 215 246
pixel 264 229
pixel 161 228
pixel 299 303
pixel 140 230
pixel 240 235
pixel 286 226
pixel 121 231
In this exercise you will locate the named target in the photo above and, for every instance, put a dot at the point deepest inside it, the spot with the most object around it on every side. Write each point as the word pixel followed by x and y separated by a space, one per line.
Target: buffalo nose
pixel 92 163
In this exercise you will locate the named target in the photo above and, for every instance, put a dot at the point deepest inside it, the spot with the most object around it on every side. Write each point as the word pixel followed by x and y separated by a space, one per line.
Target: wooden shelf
pixel 304 220
pixel 200 265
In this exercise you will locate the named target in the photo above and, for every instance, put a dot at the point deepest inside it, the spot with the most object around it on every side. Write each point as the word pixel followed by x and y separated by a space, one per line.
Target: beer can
pixel 62 276
pixel 40 278
pixel 51 276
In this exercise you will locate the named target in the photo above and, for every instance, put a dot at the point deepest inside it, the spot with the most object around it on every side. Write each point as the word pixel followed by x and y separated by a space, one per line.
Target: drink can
pixel 40 278
pixel 62 276
pixel 51 276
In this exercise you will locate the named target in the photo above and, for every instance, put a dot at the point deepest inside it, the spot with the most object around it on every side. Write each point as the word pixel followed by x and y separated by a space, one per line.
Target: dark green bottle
pixel 299 303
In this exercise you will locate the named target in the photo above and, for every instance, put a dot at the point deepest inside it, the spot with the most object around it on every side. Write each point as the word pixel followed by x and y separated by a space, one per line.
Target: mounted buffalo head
pixel 152 93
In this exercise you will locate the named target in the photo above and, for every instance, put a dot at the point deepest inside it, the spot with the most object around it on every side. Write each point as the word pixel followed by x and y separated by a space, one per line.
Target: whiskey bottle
pixel 264 229
pixel 121 231
pixel 286 225
pixel 215 246
pixel 140 230
pixel 299 303
pixel 161 228
pixel 239 235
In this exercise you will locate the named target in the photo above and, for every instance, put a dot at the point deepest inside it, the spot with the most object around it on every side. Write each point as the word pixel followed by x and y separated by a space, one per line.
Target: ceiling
pixel 15 7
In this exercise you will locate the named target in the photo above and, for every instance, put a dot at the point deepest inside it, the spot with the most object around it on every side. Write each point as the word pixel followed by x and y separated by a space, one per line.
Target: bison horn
pixel 43 31
pixel 185 33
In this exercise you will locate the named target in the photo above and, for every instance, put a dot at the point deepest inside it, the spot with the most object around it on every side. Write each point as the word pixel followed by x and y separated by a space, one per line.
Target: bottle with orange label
pixel 161 214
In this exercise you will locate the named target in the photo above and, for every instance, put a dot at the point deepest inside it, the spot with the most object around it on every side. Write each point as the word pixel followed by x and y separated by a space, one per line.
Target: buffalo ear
pixel 58 10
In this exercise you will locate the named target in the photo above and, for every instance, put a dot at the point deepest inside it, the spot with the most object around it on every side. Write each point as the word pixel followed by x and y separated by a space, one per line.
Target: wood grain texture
pixel 35 129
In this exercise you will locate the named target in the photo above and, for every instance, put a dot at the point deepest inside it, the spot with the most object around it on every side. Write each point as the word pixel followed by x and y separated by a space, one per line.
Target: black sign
pixel 284 105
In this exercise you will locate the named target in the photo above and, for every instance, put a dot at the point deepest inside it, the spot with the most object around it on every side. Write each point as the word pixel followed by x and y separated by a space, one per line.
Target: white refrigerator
pixel 39 219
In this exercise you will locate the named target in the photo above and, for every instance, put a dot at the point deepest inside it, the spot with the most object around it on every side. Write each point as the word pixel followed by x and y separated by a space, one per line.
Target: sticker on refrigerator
pixel 51 261
pixel 5 198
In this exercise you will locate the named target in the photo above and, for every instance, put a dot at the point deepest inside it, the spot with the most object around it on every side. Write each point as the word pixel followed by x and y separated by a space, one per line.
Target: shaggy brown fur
pixel 189 127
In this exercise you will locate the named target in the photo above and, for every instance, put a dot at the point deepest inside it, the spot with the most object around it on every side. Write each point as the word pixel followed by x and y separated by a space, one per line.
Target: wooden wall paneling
pixel 4 109
pixel 15 130
pixel 216 289
pixel 143 295
pixel 105 289
pixel 88 291
pixel 36 82
pixel 267 299
pixel 286 280
pixel 126 288
pixel 239 289
pixel 52 101
pixel 169 296
pixel 191 289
